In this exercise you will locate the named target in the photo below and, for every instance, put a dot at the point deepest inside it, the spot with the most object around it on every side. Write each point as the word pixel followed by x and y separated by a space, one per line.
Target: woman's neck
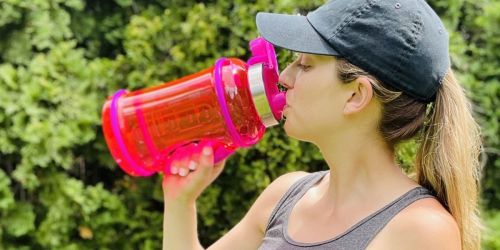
pixel 362 169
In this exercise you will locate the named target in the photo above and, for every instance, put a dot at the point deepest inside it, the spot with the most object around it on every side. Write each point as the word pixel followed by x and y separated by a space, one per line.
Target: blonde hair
pixel 447 161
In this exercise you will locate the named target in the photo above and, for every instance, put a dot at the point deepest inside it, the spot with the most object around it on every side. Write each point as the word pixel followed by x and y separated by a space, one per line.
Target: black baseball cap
pixel 401 42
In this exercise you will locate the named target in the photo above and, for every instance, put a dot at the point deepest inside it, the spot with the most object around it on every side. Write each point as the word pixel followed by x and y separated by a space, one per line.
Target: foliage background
pixel 60 60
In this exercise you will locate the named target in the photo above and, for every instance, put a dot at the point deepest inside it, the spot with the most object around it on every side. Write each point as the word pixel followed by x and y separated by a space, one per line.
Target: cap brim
pixel 292 32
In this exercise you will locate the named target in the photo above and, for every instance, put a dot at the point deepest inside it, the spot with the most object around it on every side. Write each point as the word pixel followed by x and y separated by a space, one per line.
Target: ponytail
pixel 447 161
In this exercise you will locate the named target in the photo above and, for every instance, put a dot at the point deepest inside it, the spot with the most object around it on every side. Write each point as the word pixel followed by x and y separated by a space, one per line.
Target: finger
pixel 206 156
pixel 176 161
pixel 168 166
pixel 194 157
pixel 183 163
pixel 174 165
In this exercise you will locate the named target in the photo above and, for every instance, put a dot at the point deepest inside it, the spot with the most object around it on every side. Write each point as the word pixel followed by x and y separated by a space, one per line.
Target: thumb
pixel 217 169
pixel 205 163
pixel 209 170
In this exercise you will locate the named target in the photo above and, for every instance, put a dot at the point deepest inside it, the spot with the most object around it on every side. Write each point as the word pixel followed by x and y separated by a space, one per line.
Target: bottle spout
pixel 278 104
pixel 263 77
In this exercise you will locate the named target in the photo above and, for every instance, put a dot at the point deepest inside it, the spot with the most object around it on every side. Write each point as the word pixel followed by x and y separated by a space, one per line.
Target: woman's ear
pixel 362 93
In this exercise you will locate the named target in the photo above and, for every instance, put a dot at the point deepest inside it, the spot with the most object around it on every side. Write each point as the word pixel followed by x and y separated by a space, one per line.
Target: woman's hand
pixel 192 169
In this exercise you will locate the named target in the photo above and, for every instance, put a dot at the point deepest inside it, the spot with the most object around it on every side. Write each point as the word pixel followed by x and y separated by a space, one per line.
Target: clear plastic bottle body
pixel 142 128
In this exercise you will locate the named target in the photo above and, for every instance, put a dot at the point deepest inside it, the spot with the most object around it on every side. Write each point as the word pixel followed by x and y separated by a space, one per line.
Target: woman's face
pixel 315 97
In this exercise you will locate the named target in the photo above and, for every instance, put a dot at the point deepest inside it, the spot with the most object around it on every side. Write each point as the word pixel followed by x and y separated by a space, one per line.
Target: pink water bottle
pixel 228 105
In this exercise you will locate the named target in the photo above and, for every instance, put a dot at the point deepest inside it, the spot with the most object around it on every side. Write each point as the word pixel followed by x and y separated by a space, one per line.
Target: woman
pixel 369 74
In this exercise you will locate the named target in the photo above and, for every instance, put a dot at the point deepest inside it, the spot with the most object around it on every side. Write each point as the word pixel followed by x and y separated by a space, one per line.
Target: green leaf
pixel 20 220
pixel 6 196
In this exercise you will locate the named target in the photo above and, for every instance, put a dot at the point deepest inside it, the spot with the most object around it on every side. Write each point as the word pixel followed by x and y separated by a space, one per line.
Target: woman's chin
pixel 288 129
pixel 292 133
pixel 285 124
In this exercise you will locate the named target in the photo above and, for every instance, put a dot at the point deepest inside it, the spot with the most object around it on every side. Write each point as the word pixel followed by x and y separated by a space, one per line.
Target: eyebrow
pixel 307 56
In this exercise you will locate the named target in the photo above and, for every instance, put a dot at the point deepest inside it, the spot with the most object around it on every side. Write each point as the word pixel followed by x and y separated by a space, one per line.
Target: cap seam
pixel 352 17
pixel 412 41
pixel 405 55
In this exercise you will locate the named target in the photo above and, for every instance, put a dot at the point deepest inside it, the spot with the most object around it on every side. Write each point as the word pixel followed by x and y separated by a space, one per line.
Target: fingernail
pixel 192 165
pixel 206 150
pixel 174 170
pixel 183 172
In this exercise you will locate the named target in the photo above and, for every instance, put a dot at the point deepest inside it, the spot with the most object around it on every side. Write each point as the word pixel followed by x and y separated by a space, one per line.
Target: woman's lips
pixel 285 110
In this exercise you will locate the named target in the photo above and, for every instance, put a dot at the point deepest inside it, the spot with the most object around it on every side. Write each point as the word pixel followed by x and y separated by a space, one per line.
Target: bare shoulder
pixel 424 224
pixel 270 197
pixel 280 185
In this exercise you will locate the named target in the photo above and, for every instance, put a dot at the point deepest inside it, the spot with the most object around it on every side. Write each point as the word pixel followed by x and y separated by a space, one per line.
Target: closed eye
pixel 303 67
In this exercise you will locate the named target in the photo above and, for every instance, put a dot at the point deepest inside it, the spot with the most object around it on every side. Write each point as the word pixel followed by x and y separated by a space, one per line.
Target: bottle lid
pixel 263 53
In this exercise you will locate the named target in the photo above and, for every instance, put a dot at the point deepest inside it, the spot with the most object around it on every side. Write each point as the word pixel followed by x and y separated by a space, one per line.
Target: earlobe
pixel 361 96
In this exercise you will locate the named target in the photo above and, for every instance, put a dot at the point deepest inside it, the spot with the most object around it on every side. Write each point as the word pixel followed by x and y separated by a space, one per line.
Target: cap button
pixel 397 6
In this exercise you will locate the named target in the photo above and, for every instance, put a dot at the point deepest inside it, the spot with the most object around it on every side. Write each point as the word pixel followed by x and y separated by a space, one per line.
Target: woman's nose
pixel 285 79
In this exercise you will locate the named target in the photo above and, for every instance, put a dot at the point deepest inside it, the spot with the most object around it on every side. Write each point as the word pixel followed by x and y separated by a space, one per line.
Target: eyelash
pixel 303 67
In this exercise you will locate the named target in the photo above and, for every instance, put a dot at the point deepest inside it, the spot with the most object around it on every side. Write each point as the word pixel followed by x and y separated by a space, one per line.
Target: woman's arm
pixel 180 192
pixel 180 226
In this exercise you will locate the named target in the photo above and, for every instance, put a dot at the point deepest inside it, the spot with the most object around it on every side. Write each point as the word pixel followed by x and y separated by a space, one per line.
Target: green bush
pixel 60 60
pixel 492 233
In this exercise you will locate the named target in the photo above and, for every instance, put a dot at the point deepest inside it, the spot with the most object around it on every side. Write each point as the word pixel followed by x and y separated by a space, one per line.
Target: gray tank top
pixel 356 237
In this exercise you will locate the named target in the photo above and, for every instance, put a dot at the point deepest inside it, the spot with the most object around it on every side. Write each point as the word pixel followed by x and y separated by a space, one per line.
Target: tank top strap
pixel 296 191
pixel 369 227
